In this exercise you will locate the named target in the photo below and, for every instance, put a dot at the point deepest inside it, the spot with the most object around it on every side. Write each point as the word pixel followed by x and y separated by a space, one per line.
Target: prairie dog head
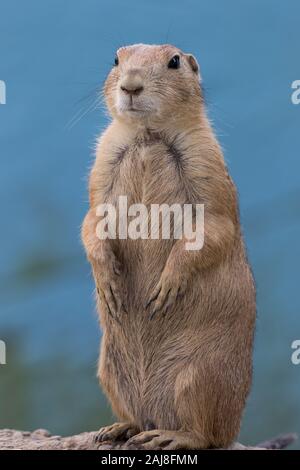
pixel 151 82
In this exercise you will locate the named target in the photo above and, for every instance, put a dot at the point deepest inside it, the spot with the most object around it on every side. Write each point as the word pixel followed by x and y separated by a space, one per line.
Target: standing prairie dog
pixel 176 351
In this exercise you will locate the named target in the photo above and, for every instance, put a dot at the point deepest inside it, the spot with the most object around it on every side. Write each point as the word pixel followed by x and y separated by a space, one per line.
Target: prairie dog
pixel 176 351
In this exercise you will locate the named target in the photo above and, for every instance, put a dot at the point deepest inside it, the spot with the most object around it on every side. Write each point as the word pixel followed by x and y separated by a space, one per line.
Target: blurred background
pixel 54 56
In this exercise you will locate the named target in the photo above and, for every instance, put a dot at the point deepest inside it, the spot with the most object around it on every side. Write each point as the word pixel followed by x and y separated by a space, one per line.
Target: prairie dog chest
pixel 147 172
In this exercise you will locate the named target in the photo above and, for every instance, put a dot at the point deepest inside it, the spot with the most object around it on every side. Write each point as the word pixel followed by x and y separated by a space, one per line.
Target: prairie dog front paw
pixel 108 275
pixel 169 289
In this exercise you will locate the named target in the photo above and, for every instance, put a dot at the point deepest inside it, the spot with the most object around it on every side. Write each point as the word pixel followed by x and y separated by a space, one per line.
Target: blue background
pixel 54 56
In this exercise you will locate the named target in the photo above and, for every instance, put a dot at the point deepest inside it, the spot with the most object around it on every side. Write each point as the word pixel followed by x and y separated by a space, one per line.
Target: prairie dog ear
pixel 193 63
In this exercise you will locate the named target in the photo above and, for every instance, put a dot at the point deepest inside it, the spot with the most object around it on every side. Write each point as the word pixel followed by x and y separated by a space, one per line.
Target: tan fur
pixel 182 377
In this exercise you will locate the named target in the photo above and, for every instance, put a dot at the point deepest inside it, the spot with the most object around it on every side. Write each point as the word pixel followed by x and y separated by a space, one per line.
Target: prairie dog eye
pixel 174 62
pixel 116 60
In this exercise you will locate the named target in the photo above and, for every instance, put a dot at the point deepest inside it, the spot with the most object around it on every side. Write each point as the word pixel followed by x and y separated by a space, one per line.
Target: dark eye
pixel 174 62
pixel 116 60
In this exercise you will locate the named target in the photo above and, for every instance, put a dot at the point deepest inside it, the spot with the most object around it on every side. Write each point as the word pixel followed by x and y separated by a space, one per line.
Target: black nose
pixel 132 91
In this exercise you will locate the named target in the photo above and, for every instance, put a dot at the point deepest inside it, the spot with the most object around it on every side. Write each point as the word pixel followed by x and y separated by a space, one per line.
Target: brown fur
pixel 181 378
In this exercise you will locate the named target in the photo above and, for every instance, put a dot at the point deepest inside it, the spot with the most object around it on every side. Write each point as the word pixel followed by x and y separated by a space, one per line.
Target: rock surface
pixel 43 440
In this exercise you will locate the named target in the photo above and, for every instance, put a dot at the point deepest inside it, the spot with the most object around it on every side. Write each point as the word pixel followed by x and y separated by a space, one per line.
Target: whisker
pixel 82 113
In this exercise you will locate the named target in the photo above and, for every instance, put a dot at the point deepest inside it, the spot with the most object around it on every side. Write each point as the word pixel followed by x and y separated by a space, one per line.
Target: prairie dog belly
pixel 143 178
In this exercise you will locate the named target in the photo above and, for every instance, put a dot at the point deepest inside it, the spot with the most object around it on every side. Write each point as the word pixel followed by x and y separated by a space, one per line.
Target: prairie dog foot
pixel 166 440
pixel 116 432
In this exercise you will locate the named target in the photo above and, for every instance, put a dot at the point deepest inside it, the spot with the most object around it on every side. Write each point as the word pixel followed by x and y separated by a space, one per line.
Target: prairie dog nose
pixel 132 83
